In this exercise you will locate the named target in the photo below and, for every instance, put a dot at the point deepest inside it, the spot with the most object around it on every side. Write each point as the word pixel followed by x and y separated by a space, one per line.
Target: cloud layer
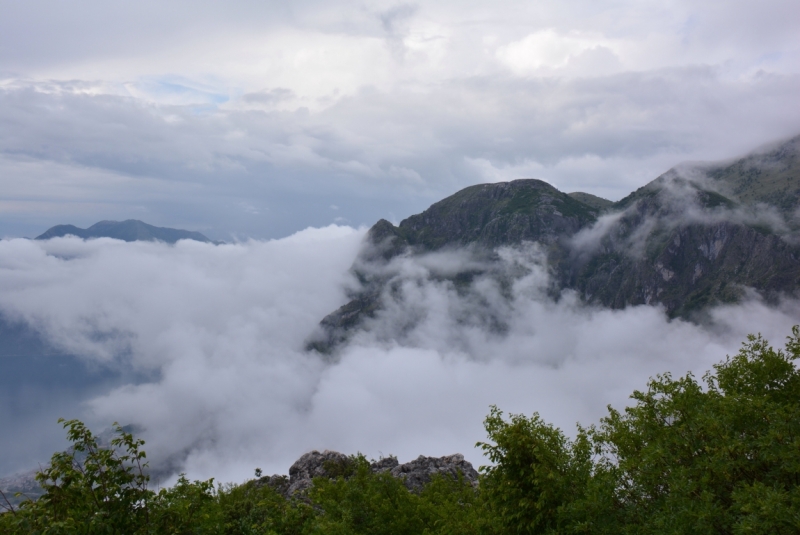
pixel 259 119
pixel 216 335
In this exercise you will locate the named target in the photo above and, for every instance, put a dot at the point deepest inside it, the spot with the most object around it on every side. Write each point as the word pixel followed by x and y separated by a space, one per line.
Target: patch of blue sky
pixel 181 91
pixel 772 58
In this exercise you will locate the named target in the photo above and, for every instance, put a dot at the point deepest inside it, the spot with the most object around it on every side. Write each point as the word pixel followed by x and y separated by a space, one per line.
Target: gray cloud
pixel 214 117
pixel 273 96
pixel 606 135
pixel 47 33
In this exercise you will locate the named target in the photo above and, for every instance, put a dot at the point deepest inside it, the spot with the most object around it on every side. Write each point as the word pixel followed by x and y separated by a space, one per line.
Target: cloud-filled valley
pixel 215 334
pixel 289 129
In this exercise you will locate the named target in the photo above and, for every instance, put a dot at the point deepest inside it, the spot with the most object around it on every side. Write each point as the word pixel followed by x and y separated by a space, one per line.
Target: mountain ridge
pixel 683 241
pixel 129 230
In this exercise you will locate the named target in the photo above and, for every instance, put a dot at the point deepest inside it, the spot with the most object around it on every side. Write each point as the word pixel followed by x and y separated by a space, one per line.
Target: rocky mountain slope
pixel 20 487
pixel 129 230
pixel 699 235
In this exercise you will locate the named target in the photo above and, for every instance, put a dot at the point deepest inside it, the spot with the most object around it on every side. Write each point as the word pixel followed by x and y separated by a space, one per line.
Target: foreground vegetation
pixel 721 456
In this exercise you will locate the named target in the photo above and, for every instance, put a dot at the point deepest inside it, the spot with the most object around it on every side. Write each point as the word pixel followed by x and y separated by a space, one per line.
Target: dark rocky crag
pixel 698 235
pixel 480 218
pixel 332 464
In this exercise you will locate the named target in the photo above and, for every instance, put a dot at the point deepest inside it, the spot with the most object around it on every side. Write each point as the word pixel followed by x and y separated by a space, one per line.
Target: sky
pixel 258 119
pixel 286 129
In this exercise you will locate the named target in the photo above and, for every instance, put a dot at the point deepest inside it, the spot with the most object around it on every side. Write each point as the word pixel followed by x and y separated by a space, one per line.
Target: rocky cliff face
pixel 685 247
pixel 696 236
pixel 689 268
pixel 24 484
pixel 480 219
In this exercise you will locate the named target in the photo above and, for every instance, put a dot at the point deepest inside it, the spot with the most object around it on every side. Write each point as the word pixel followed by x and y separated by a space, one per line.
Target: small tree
pixel 537 471
pixel 89 489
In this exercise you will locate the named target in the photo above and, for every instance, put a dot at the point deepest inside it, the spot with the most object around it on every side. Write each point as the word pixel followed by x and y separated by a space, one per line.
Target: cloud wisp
pixel 218 332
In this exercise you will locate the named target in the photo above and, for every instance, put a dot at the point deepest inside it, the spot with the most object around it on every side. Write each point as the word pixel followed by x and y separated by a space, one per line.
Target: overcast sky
pixel 257 119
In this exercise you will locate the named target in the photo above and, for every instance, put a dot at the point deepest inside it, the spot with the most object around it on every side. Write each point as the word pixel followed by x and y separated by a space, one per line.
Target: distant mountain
pixel 23 483
pixel 129 230
pixel 698 235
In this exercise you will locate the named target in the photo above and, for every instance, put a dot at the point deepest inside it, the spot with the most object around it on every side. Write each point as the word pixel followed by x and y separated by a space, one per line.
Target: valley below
pixel 394 340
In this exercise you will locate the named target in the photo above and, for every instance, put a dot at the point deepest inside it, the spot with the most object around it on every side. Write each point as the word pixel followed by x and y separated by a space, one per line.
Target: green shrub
pixel 88 489
pixel 723 457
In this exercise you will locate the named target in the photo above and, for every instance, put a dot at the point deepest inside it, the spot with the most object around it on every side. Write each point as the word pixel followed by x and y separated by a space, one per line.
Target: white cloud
pixel 548 50
pixel 224 327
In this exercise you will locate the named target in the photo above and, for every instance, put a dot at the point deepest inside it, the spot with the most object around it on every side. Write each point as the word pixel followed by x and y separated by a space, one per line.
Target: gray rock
pixel 419 472
pixel 24 484
pixel 384 465
pixel 332 464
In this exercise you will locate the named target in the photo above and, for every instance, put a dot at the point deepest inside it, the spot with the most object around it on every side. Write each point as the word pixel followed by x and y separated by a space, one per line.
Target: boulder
pixel 330 464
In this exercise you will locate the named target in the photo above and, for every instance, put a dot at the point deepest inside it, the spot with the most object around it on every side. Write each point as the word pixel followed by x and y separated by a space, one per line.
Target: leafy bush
pixel 377 503
pixel 685 458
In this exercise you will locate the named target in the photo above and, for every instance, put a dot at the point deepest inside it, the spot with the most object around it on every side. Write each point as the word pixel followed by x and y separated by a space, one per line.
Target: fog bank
pixel 214 336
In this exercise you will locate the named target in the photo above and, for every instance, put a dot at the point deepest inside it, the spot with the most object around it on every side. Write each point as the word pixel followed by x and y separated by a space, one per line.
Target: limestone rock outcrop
pixel 313 464
pixel 332 464
pixel 419 472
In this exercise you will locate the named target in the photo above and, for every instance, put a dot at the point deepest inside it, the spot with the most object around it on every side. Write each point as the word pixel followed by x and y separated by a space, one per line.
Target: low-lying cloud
pixel 219 333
